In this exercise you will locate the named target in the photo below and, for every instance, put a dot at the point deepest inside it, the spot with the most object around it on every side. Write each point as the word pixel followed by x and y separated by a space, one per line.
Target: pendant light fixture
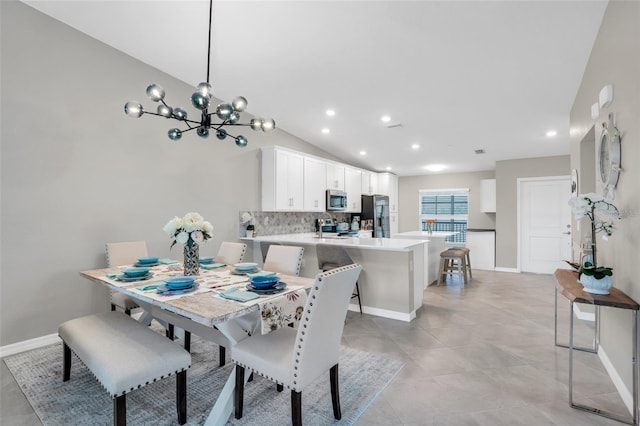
pixel 227 114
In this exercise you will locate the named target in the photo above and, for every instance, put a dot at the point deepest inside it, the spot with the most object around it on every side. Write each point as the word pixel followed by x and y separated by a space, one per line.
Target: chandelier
pixel 226 114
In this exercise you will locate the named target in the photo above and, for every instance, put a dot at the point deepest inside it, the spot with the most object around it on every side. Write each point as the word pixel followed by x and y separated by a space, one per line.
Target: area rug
pixel 82 401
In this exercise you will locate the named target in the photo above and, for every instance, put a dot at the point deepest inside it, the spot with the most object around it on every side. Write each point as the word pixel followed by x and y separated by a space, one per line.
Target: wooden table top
pixel 567 283
pixel 204 308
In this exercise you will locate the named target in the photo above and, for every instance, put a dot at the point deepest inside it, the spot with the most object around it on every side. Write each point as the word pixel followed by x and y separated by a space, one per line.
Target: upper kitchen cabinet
pixel 282 180
pixel 335 176
pixel 488 195
pixel 388 185
pixel 369 183
pixel 353 188
pixel 315 177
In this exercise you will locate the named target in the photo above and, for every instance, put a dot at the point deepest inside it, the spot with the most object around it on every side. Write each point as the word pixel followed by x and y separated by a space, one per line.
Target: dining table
pixel 203 311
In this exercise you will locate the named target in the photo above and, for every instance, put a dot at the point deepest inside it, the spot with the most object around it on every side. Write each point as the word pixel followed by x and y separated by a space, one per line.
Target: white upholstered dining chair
pixel 124 253
pixel 284 259
pixel 231 253
pixel 295 358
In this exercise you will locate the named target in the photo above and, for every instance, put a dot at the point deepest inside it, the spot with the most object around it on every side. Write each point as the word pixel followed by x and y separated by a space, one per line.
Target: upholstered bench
pixel 124 355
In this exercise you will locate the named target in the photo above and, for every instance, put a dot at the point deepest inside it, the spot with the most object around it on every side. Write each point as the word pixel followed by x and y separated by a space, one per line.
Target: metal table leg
pixel 634 361
pixel 596 337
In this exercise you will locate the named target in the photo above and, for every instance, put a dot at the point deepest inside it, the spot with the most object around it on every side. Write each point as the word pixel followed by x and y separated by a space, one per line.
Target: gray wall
pixel 76 172
pixel 409 186
pixel 615 59
pixel 507 175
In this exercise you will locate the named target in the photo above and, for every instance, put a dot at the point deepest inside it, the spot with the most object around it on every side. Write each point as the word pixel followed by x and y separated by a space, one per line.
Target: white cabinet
pixel 315 177
pixel 282 177
pixel 393 224
pixel 353 188
pixel 483 249
pixel 388 185
pixel 488 195
pixel 335 176
pixel 369 183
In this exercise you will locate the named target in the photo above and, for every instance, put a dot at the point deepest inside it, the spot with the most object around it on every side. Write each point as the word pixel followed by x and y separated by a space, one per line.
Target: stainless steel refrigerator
pixel 376 208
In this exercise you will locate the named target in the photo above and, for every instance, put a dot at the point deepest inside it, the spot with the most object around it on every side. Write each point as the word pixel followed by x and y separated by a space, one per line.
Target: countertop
pixel 424 234
pixel 391 244
pixel 480 230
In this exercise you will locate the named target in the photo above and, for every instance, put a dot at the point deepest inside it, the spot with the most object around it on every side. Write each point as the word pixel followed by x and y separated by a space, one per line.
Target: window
pixel 450 210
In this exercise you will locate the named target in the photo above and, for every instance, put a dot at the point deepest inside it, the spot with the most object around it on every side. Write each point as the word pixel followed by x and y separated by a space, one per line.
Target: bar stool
pixel 453 261
pixel 330 257
pixel 468 259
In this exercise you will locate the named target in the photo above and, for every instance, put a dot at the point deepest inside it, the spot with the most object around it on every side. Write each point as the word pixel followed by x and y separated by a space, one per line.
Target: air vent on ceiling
pixel 392 125
pixel 479 151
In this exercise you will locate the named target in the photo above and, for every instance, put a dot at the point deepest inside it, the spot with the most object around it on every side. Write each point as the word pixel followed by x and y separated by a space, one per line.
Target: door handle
pixel 567 233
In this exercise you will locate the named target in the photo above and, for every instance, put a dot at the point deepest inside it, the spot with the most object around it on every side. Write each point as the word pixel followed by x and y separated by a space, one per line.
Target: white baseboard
pixel 625 394
pixel 511 270
pixel 27 345
pixel 585 316
pixel 384 313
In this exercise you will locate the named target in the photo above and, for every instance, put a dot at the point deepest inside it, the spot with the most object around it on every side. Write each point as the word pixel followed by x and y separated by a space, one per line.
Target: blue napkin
pixel 148 287
pixel 168 261
pixel 212 265
pixel 261 274
pixel 238 295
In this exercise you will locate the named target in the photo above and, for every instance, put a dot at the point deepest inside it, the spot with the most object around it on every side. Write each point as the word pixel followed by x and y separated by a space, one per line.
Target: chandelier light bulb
pixel 206 89
pixel 268 124
pixel 165 111
pixel 174 134
pixel 221 134
pixel 223 111
pixel 180 114
pixel 199 101
pixel 256 124
pixel 133 109
pixel 155 92
pixel 203 132
pixel 239 104
pixel 234 117
pixel 241 141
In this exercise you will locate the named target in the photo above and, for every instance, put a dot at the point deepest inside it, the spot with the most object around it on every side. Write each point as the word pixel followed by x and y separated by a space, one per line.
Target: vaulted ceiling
pixel 453 76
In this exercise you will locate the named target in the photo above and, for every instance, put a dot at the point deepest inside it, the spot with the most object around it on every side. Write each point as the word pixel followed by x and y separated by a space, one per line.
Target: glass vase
pixel 191 258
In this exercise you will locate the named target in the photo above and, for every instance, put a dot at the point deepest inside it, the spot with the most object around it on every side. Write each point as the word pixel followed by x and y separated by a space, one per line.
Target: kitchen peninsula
pixel 392 279
pixel 434 245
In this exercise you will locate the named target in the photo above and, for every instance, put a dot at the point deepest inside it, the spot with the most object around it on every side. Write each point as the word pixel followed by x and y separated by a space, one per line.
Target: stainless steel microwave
pixel 336 200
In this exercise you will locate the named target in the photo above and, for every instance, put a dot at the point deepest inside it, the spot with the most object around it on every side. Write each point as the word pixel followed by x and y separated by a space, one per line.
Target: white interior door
pixel 545 224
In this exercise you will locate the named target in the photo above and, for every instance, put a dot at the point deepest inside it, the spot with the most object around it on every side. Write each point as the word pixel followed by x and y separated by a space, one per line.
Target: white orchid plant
pixel 601 214
pixel 192 227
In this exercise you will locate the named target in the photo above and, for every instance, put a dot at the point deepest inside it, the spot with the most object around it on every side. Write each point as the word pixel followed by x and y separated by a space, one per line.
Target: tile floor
pixel 481 355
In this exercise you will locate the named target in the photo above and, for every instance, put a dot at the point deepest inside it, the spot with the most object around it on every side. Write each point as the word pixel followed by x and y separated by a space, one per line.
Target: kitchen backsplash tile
pixel 278 223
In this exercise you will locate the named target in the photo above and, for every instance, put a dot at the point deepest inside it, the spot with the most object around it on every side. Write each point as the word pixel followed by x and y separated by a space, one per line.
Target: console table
pixel 567 283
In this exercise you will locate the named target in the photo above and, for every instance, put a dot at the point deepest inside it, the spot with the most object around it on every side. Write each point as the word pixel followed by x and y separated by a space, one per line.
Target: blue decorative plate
pixel 136 272
pixel 276 289
pixel 125 278
pixel 178 283
pixel 167 291
pixel 148 260
pixel 245 272
pixel 246 266
pixel 145 265
pixel 206 260
pixel 264 282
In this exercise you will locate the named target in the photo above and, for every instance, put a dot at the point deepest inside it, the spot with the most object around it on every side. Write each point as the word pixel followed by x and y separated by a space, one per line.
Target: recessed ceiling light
pixel 435 167
pixel 385 119
pixel 388 167
pixel 363 152
pixel 326 131
pixel 551 133
pixel 415 146
pixel 330 112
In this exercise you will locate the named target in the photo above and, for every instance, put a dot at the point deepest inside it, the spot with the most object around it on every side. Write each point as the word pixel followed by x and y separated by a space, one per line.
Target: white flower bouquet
pixel 601 214
pixel 192 227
